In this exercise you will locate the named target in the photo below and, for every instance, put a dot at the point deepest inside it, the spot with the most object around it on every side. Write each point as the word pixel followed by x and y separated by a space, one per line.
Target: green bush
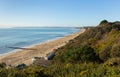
pixel 78 54
pixel 2 65
pixel 113 61
pixel 105 53
pixel 85 54
pixel 115 51
pixel 103 22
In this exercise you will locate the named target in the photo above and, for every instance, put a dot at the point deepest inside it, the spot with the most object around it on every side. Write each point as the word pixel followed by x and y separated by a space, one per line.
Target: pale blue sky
pixel 57 12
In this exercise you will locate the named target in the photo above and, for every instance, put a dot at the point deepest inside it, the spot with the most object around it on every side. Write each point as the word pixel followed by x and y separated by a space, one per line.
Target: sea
pixel 27 36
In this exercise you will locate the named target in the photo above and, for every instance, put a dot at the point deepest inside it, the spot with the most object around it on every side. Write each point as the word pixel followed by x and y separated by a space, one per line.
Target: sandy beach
pixel 25 56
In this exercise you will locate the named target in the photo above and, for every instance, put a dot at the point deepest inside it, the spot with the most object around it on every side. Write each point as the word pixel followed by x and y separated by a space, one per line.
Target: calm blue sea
pixel 21 37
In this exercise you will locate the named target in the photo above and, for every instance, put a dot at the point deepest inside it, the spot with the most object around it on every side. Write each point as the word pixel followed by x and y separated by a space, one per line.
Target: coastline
pixel 41 49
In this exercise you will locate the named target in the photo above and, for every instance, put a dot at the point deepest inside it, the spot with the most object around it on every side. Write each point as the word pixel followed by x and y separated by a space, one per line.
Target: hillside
pixel 102 41
pixel 95 53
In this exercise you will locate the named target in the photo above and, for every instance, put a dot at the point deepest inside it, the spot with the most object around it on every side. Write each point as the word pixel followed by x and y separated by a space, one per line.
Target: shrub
pixel 115 51
pixel 86 54
pixel 78 54
pixel 103 22
pixel 113 61
pixel 2 65
pixel 105 53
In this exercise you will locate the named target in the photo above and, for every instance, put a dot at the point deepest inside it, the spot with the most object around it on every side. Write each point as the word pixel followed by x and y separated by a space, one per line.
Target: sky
pixel 58 13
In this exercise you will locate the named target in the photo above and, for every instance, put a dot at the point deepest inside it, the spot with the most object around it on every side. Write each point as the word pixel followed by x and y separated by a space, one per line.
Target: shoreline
pixel 30 46
pixel 19 56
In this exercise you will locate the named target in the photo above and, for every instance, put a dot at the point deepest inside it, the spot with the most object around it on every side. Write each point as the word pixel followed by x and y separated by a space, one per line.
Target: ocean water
pixel 22 37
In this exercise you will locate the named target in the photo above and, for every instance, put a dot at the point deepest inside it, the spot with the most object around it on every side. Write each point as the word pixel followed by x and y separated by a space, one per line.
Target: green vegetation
pixel 95 53
pixel 77 54
pixel 103 22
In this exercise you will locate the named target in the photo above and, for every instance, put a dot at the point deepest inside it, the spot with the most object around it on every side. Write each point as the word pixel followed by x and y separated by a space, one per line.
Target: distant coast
pixel 25 56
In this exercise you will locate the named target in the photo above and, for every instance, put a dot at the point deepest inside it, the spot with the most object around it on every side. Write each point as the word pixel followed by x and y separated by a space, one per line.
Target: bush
pixel 78 54
pixel 105 53
pixel 103 22
pixel 86 54
pixel 113 61
pixel 115 51
pixel 2 65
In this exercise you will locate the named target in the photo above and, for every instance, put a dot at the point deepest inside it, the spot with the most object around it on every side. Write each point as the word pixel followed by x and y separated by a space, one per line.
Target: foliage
pixel 103 22
pixel 115 51
pixel 105 54
pixel 78 54
pixel 2 65
pixel 113 61
pixel 64 70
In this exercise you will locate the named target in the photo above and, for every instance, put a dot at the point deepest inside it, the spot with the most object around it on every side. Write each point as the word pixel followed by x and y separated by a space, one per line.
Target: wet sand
pixel 25 56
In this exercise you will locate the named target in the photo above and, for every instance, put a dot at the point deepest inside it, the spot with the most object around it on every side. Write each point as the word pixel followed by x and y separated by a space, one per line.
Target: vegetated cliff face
pixel 101 42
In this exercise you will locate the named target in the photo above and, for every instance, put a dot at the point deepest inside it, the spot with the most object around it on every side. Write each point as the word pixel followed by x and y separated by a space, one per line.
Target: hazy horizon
pixel 40 26
pixel 57 13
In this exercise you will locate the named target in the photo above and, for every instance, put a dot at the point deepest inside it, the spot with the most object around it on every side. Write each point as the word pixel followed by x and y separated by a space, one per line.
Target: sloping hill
pixel 103 42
